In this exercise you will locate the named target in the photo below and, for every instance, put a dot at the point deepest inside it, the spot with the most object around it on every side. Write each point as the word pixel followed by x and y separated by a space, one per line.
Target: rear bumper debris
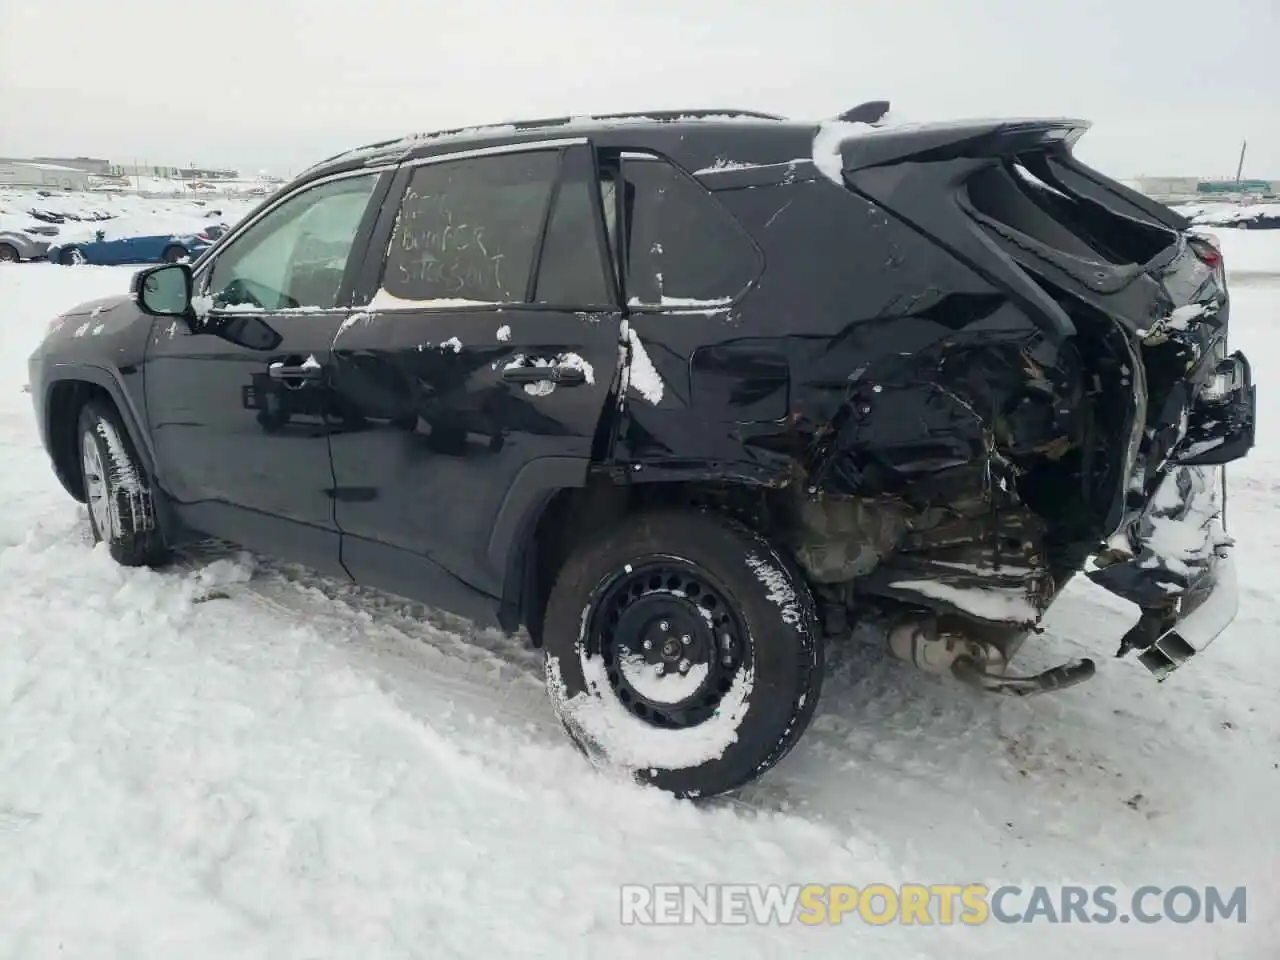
pixel 1203 614
pixel 1178 570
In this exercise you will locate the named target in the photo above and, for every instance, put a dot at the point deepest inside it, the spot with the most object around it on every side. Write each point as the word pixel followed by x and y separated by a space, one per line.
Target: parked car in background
pixel 1256 219
pixel 1253 216
pixel 114 243
pixel 27 241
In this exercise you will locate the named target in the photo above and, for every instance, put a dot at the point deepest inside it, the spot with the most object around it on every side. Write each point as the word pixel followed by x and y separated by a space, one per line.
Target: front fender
pixel 108 380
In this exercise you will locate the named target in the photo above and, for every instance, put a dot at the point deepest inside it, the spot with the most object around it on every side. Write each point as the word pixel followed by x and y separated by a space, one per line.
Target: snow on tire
pixel 682 649
pixel 117 490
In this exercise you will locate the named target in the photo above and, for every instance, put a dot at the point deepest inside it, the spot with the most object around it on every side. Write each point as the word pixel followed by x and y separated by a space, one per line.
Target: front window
pixel 296 256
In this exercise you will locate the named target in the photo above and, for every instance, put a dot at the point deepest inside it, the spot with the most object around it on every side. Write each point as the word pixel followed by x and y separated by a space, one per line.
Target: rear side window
pixel 1012 194
pixel 469 229
pixel 682 247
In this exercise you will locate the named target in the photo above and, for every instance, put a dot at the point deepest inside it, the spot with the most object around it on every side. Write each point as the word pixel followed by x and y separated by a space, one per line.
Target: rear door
pixel 474 382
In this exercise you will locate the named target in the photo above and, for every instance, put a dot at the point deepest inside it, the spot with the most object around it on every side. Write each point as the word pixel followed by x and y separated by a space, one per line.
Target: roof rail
pixel 669 115
pixel 660 116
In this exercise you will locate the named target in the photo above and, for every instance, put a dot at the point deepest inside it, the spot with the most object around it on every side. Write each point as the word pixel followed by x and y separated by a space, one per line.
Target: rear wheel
pixel 682 649
pixel 117 489
pixel 174 254
pixel 8 253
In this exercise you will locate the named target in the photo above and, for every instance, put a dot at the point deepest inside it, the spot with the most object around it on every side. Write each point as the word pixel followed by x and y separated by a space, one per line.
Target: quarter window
pixel 297 254
pixel 468 229
pixel 682 247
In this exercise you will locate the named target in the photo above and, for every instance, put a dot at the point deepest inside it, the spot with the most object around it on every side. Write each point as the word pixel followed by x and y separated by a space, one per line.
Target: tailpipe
pixel 977 657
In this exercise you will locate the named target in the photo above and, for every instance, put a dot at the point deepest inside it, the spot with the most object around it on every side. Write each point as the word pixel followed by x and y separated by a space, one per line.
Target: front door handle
pixel 305 372
pixel 562 374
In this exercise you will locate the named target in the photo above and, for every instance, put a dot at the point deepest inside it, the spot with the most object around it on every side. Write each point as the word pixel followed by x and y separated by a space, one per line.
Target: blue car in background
pixel 152 248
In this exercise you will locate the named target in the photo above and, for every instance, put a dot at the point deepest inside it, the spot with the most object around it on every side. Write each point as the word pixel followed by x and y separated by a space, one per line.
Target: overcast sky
pixel 1171 85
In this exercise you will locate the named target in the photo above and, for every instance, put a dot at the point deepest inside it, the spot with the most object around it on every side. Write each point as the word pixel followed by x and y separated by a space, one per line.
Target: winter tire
pixel 71 257
pixel 682 648
pixel 117 489
pixel 174 254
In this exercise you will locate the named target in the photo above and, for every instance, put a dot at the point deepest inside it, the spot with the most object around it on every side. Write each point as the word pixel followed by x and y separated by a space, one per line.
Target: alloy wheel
pixel 96 486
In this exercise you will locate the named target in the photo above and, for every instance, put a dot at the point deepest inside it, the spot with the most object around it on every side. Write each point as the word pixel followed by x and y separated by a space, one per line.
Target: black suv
pixel 688 397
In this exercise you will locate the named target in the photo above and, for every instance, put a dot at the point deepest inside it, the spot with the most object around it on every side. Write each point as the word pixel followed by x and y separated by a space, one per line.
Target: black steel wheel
pixel 671 641
pixel 683 649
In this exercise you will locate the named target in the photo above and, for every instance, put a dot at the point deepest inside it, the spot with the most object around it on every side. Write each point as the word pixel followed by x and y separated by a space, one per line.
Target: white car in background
pixel 25 240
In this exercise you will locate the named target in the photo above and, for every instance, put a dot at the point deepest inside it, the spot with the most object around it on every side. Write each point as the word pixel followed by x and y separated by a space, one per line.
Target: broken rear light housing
pixel 1207 248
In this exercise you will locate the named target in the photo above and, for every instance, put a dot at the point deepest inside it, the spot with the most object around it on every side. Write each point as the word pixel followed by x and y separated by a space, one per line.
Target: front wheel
pixel 71 257
pixel 174 254
pixel 8 253
pixel 117 489
pixel 683 649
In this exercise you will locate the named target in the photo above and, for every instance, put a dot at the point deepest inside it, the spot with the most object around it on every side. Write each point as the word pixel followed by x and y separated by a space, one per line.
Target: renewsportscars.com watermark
pixel 923 904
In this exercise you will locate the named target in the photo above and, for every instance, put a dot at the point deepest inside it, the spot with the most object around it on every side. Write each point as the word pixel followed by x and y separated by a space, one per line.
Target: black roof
pixel 694 139
pixel 702 140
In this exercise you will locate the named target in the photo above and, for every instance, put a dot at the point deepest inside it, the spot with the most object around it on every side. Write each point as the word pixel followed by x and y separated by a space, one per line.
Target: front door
pixel 239 403
pixel 476 381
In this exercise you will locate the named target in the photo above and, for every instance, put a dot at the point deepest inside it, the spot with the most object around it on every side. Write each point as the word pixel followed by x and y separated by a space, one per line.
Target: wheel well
pixel 571 515
pixel 66 399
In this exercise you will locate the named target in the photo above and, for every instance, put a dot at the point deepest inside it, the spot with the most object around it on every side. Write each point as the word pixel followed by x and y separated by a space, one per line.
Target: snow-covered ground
pixel 1250 253
pixel 238 758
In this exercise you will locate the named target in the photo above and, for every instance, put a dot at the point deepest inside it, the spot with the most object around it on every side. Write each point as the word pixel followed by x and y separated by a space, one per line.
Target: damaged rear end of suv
pixel 968 368
pixel 1077 416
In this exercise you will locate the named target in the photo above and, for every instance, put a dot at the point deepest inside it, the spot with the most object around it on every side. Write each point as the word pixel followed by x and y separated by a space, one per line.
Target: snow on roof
pixel 557 124
pixel 46 166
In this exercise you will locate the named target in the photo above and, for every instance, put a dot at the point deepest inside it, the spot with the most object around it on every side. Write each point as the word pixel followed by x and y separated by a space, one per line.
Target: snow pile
pixel 642 376
pixel 669 686
pixel 987 603
pixel 832 135
pixel 630 743
pixel 544 388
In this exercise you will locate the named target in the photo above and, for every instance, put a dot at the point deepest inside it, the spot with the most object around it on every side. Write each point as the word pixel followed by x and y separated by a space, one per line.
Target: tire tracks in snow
pixel 413 649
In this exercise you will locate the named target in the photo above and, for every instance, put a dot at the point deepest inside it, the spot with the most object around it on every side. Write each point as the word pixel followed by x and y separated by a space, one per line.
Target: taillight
pixel 203 239
pixel 1207 248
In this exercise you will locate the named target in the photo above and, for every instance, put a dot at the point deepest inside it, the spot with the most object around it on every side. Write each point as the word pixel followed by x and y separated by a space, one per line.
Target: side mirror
pixel 164 291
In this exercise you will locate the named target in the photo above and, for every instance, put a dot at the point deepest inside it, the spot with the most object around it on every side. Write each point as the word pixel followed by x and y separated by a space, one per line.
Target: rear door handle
pixel 561 374
pixel 307 371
